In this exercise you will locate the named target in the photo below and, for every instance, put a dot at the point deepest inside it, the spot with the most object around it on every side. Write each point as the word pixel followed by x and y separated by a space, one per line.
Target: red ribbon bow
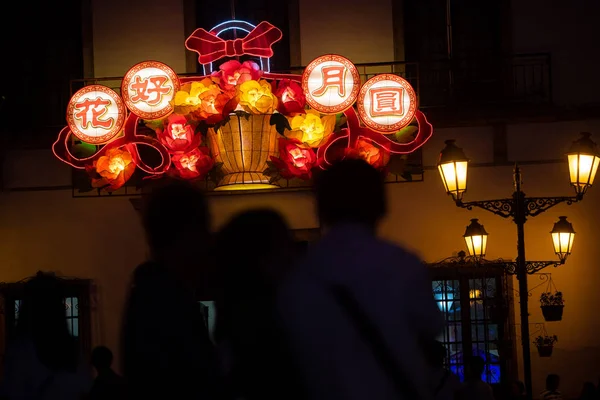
pixel 257 43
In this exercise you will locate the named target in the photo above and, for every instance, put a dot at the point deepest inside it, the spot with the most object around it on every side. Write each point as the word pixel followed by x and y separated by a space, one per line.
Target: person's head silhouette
pixel 257 242
pixel 436 354
pixel 552 382
pixel 350 191
pixel 254 251
pixel 474 368
pixel 102 359
pixel 176 221
pixel 42 319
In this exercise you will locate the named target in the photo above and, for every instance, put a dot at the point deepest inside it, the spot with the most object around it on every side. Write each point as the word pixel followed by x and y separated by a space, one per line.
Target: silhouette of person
pixel 444 383
pixel 552 385
pixel 108 384
pixel 474 387
pixel 42 359
pixel 588 392
pixel 517 391
pixel 167 352
pixel 358 308
pixel 254 251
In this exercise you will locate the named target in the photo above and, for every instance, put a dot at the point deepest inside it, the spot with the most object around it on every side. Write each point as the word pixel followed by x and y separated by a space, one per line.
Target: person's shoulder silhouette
pixel 108 384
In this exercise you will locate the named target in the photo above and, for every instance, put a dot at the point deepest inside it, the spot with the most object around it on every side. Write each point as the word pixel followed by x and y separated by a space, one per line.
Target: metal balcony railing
pixel 522 78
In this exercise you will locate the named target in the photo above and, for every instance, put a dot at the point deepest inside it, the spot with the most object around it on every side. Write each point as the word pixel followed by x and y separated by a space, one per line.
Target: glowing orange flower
pixel 296 160
pixel 214 105
pixel 178 136
pixel 113 169
pixel 194 164
pixel 365 150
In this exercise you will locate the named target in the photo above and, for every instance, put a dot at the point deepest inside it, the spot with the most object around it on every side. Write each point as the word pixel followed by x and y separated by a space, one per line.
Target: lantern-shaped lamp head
pixel 583 163
pixel 453 170
pixel 476 239
pixel 562 238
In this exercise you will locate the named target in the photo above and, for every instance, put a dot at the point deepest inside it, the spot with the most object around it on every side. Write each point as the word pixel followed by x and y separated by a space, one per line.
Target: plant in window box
pixel 552 306
pixel 545 344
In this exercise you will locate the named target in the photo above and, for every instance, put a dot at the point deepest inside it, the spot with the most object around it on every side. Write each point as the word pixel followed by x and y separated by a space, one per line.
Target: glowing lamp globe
pixel 476 239
pixel 452 166
pixel 562 238
pixel 583 163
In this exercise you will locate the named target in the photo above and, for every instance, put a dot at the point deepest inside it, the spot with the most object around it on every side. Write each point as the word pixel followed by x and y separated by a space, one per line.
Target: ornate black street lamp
pixel 583 162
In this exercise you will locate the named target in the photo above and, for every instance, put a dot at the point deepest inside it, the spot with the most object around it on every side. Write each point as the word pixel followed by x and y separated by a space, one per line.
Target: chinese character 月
pixel 386 101
pixel 91 111
pixel 150 90
pixel 332 76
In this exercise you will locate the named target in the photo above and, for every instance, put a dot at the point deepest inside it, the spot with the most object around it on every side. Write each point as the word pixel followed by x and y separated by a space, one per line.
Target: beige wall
pixel 547 26
pixel 101 239
pixel 127 32
pixel 361 30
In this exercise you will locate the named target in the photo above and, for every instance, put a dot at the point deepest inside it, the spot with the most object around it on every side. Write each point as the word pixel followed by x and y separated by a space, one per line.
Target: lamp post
pixel 583 162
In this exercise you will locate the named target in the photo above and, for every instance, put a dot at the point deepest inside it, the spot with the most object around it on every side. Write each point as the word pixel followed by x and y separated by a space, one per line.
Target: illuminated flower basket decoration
pixel 239 126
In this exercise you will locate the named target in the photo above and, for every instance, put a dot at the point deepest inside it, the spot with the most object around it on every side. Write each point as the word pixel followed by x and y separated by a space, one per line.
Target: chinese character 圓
pixel 386 101
pixel 91 112
pixel 150 90
pixel 332 77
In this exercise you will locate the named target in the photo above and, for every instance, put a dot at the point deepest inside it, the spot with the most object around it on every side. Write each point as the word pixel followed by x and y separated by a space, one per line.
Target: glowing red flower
pixel 376 156
pixel 296 160
pixel 112 170
pixel 178 136
pixel 232 73
pixel 194 164
pixel 291 98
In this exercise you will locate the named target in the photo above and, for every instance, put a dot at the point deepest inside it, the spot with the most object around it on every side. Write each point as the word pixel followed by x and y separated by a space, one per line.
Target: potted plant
pixel 552 306
pixel 545 344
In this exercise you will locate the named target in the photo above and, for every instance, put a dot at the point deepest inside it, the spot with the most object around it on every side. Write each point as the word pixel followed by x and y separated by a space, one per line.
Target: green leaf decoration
pixel 405 132
pixel 221 123
pixel 407 176
pixel 241 113
pixel 281 123
pixel 202 128
pixel 216 173
pixel 397 164
pixel 340 120
pixel 83 150
pixel 155 124
pixel 274 179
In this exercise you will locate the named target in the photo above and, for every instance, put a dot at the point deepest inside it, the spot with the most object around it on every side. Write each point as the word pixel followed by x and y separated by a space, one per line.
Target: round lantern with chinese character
pixel 387 103
pixel 148 89
pixel 330 84
pixel 95 114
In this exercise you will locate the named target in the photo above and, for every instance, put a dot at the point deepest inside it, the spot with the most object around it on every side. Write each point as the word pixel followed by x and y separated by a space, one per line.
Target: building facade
pixel 509 86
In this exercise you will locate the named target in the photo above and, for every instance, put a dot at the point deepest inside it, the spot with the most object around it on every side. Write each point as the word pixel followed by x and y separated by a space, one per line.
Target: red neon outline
pixel 256 43
pixel 353 93
pixel 130 138
pixel 410 113
pixel 355 131
pixel 127 80
pixel 117 125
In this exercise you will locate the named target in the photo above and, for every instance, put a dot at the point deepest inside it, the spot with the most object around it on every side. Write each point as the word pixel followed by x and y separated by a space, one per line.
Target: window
pixel 254 12
pixel 77 310
pixel 475 303
pixel 71 313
